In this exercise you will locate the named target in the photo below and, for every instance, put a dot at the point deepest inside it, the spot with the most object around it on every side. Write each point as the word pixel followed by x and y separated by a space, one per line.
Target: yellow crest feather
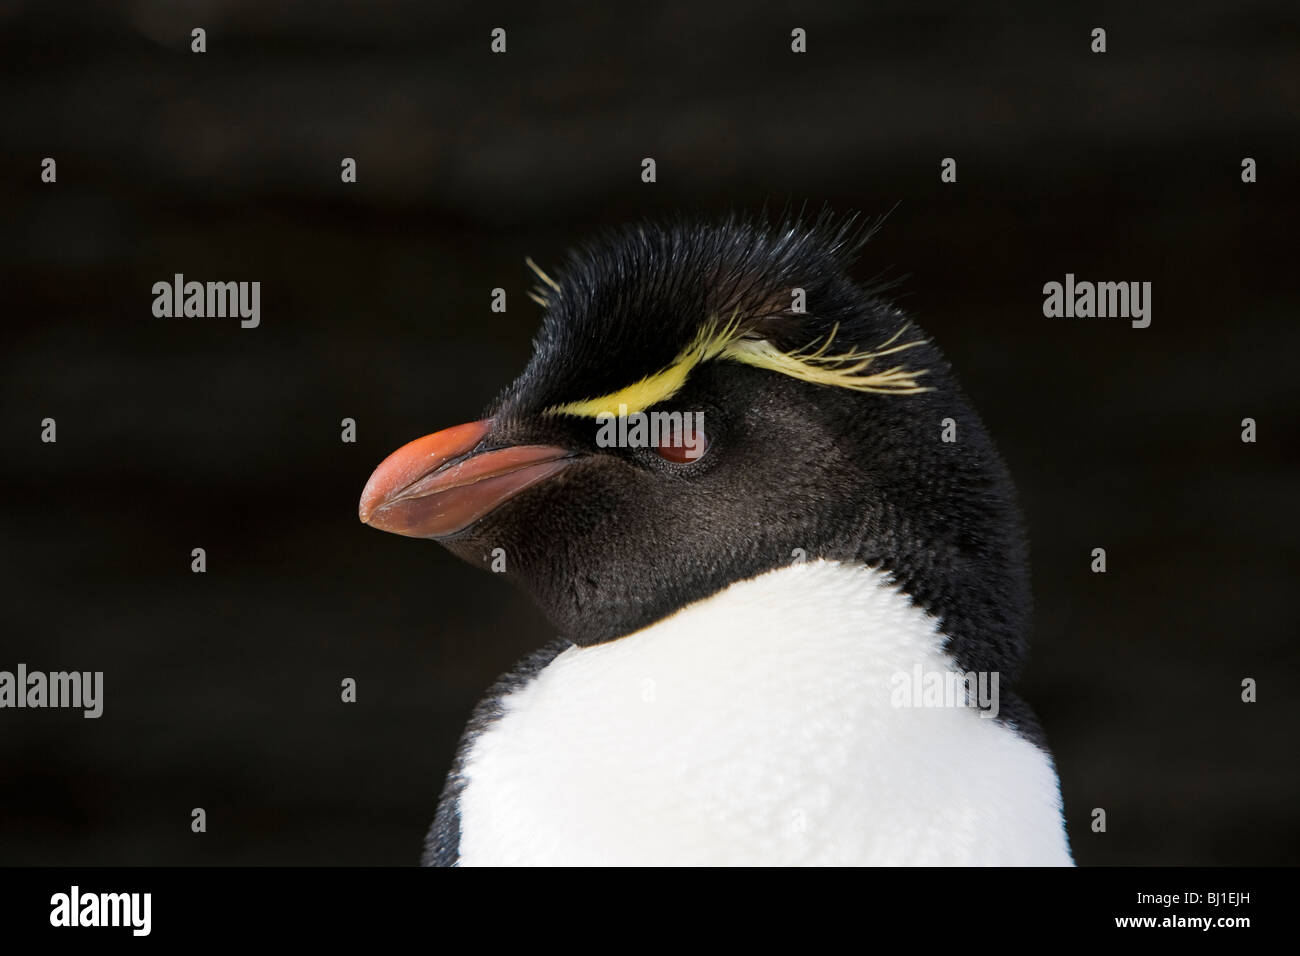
pixel 850 369
pixel 717 339
pixel 537 293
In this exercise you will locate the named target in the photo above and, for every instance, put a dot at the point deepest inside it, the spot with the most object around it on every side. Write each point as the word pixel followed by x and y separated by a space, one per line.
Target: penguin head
pixel 708 402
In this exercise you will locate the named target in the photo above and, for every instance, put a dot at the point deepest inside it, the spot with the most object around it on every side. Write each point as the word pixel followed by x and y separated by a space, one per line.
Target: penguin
pixel 786 625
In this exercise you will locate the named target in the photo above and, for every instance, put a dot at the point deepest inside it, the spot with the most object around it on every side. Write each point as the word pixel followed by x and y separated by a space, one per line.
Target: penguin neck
pixel 785 637
pixel 760 724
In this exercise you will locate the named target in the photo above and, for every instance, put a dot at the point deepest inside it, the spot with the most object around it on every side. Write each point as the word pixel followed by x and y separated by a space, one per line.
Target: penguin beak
pixel 437 485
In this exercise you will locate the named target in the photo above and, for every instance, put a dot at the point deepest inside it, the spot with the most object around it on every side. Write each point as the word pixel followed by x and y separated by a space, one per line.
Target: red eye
pixel 682 444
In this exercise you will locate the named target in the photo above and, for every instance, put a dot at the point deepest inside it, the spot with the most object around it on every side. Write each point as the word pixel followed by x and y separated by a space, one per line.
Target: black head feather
pixel 629 301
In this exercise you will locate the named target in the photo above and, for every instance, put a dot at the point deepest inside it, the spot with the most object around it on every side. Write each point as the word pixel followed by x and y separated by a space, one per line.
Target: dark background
pixel 222 689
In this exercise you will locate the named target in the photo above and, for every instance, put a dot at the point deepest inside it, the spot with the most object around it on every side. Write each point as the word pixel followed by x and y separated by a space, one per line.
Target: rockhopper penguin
pixel 742 628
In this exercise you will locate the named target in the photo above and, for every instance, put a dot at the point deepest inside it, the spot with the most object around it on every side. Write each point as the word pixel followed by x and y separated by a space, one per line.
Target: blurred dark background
pixel 222 689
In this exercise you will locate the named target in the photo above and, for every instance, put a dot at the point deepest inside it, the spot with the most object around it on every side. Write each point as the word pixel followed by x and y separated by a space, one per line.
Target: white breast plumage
pixel 759 726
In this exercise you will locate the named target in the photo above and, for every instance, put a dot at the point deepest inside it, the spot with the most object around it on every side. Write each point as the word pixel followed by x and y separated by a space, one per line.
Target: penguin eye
pixel 682 444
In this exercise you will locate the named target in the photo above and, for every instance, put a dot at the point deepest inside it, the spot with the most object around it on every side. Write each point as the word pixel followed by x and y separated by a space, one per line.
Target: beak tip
pixel 368 505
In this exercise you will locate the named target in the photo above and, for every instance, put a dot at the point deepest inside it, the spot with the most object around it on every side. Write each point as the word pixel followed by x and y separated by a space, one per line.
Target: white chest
pixel 757 727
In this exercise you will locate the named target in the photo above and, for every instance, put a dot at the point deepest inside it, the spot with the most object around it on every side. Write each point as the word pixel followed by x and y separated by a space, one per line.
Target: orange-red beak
pixel 434 487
